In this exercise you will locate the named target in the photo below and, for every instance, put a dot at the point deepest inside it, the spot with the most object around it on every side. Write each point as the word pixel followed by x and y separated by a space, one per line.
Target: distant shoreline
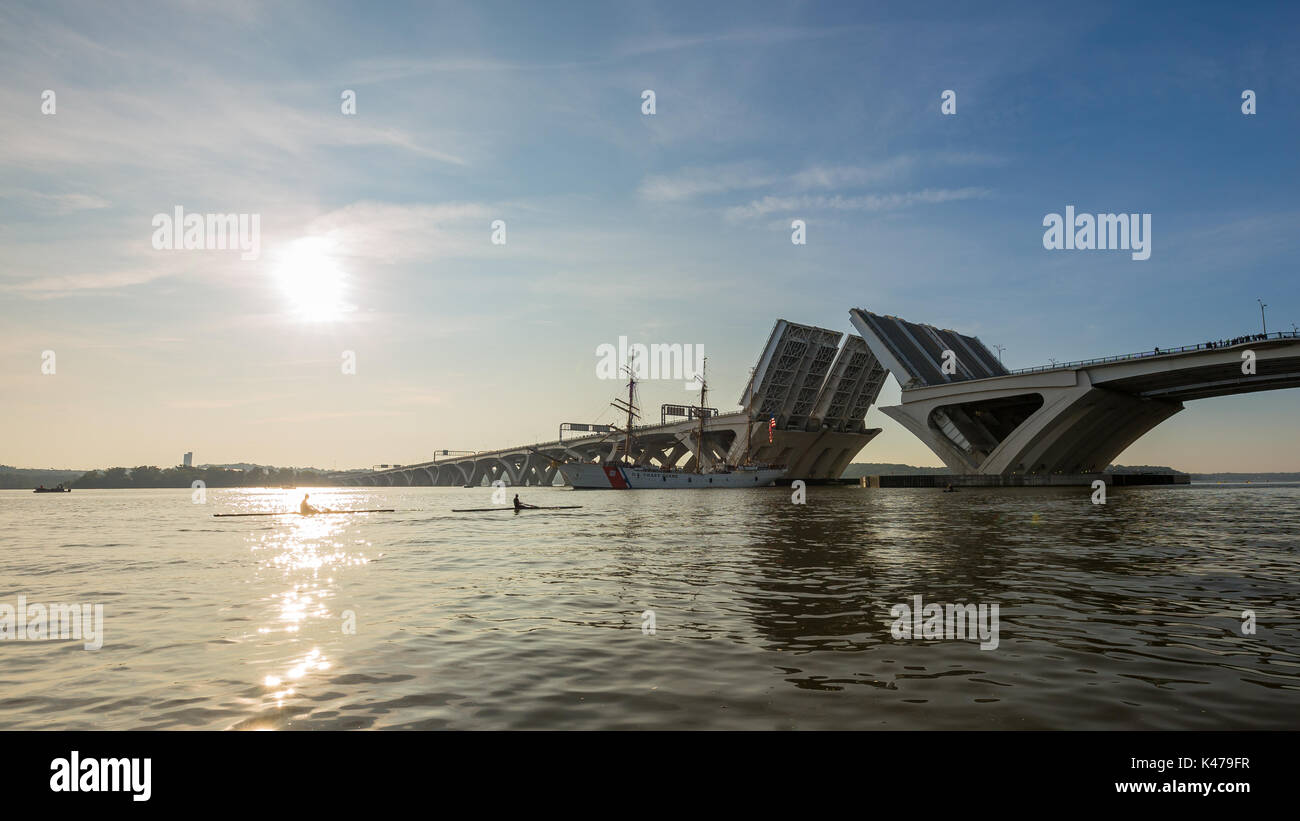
pixel 149 476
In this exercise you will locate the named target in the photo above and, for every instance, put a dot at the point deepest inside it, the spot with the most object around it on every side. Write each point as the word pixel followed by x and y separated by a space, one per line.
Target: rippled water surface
pixel 767 614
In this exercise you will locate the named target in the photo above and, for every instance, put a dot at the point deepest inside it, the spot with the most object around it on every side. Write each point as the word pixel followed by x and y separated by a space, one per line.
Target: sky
pixel 376 227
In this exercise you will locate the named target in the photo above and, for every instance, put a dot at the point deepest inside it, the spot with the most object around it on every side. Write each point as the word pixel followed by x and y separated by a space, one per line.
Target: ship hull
pixel 590 476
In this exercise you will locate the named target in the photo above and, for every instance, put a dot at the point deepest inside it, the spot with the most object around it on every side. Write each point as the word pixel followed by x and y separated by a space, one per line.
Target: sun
pixel 311 278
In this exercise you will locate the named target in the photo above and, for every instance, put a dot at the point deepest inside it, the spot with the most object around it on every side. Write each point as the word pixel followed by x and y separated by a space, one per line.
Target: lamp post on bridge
pixel 1262 306
pixel 1000 349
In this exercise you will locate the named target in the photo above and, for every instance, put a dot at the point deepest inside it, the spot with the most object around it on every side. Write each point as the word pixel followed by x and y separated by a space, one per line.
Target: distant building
pixel 188 460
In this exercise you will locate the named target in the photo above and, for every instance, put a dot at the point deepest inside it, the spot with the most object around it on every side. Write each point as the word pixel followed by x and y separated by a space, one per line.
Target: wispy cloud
pixel 689 183
pixel 389 69
pixel 745 37
pixel 868 202
pixel 51 286
pixel 390 232
pixel 701 181
pixel 38 202
pixel 843 176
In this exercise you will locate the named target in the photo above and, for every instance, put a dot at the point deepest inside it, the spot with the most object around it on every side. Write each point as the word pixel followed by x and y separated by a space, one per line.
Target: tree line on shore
pixel 151 476
pixel 12 478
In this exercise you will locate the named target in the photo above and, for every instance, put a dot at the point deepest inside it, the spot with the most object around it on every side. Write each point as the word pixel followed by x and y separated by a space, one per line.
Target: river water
pixel 766 614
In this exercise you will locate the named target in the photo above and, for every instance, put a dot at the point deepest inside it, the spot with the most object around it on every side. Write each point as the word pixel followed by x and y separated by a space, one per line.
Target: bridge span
pixel 1072 418
pixel 812 388
pixel 810 393
pixel 813 455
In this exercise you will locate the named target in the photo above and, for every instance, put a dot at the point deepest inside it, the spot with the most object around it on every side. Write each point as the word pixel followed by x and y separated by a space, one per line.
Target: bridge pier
pixel 482 472
pixel 1074 428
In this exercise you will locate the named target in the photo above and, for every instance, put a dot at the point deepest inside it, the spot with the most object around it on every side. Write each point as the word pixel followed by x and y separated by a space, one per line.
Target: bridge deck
pixel 1245 342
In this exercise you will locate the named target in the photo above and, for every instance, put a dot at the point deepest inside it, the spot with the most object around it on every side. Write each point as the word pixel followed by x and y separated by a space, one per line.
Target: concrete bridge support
pixel 1079 419
pixel 1054 422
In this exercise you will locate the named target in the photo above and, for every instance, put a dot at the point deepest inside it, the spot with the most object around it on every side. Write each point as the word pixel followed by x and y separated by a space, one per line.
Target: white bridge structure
pixel 816 384
pixel 979 418
pixel 1071 418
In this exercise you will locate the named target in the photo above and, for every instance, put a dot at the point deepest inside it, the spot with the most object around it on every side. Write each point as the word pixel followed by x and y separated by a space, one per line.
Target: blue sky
pixel 666 228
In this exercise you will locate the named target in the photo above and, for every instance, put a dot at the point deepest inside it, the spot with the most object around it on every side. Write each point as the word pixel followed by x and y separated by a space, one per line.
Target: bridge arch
pixel 1080 419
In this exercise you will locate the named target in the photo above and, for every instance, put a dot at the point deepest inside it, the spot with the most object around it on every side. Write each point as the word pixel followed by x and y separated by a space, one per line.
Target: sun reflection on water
pixel 307 553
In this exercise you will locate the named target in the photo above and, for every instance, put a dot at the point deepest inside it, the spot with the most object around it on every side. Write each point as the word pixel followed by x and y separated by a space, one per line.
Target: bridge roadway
pixel 811 455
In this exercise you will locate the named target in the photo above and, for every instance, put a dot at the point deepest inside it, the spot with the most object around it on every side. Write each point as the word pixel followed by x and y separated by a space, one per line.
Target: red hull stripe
pixel 615 476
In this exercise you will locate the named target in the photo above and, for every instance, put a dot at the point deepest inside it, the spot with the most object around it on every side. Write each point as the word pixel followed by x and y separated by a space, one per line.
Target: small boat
pixel 517 510
pixel 59 488
pixel 317 513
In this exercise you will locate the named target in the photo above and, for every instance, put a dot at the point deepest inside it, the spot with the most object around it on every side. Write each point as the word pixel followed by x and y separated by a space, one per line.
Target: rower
pixel 305 508
pixel 521 506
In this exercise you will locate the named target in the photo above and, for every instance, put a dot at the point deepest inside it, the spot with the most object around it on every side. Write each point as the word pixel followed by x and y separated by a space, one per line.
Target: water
pixel 767 614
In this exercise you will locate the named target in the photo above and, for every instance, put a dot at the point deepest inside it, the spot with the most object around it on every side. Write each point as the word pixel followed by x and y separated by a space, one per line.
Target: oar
pixel 317 513
pixel 503 509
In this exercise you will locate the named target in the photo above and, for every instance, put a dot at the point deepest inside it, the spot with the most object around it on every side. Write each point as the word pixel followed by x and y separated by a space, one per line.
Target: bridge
pixel 1071 418
pixel 814 384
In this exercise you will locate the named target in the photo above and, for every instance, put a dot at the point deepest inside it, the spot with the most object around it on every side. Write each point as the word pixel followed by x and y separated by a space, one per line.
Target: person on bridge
pixel 521 506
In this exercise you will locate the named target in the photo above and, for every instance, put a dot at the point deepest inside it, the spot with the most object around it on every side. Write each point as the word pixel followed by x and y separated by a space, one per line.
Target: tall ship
pixel 622 473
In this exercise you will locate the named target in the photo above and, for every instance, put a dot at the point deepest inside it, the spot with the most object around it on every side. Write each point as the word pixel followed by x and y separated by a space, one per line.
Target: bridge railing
pixel 1203 346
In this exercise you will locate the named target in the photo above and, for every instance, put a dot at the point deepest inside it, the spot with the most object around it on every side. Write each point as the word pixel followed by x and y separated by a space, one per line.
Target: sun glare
pixel 312 279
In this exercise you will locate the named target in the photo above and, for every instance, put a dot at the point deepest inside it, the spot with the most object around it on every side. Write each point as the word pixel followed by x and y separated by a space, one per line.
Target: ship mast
pixel 630 407
pixel 699 441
